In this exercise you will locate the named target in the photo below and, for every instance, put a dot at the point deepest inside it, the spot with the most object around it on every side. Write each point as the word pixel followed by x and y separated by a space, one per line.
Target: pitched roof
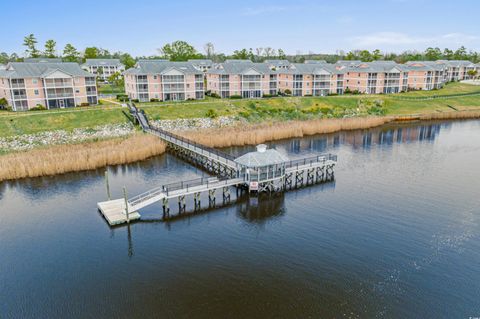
pixel 235 67
pixel 102 62
pixel 201 62
pixel 38 70
pixel 160 66
pixel 457 63
pixel 261 158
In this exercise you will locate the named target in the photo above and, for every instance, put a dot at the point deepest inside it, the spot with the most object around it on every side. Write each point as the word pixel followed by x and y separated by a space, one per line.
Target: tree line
pixel 183 51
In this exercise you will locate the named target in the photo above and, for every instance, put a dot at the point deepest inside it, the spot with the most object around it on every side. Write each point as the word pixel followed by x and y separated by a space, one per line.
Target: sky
pixel 140 27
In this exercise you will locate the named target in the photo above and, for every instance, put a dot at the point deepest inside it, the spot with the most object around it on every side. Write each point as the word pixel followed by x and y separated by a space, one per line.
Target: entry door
pixel 252 94
pixel 61 104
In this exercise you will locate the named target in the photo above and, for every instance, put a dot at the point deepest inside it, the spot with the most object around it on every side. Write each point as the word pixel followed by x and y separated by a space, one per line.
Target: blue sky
pixel 141 26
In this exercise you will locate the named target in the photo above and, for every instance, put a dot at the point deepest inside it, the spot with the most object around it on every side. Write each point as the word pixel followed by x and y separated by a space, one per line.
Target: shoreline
pixel 89 155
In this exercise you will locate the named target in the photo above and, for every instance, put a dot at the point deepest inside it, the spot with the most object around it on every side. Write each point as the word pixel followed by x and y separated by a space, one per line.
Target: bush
pixel 347 91
pixel 211 114
pixel 122 96
pixel 287 92
pixel 153 100
pixel 235 97
pixel 3 102
pixel 38 107
pixel 135 101
pixel 214 95
pixel 308 95
pixel 332 94
pixel 84 104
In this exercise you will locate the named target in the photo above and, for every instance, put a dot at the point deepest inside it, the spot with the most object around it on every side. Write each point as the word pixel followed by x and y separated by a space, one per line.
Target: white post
pixel 126 203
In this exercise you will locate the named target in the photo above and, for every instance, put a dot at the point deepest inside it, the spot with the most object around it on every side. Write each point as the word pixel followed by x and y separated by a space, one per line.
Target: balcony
pixel 20 97
pixel 90 83
pixel 18 85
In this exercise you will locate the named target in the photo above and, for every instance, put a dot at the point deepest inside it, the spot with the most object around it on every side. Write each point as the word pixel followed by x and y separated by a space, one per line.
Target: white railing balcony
pixel 18 85
pixel 19 97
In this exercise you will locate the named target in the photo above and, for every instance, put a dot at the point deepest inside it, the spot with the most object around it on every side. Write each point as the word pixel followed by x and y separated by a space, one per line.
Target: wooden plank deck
pixel 114 212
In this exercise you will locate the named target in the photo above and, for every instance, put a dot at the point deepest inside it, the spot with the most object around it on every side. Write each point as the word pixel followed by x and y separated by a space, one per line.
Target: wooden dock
pixel 261 171
pixel 114 212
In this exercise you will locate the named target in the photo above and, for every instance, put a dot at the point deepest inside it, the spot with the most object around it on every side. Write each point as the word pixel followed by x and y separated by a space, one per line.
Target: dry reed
pixel 256 134
pixel 60 159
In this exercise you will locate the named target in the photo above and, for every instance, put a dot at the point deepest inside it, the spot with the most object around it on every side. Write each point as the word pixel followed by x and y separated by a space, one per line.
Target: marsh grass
pixel 61 159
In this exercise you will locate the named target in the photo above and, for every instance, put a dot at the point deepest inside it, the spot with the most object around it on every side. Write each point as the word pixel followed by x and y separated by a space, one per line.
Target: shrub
pixel 332 94
pixel 211 114
pixel 135 101
pixel 84 104
pixel 153 100
pixel 215 95
pixel 347 91
pixel 122 96
pixel 287 92
pixel 236 97
pixel 38 107
pixel 3 102
pixel 308 95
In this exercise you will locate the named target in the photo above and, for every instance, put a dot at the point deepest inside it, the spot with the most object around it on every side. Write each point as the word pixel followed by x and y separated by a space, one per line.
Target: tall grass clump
pixel 61 159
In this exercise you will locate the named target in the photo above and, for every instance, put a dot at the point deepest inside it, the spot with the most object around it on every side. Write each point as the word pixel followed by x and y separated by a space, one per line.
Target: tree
pixel 472 73
pixel 448 54
pixel 376 55
pixel 240 54
pixel 179 51
pixel 460 53
pixel 433 54
pixel 30 41
pixel 127 60
pixel 70 54
pixel 50 49
pixel 209 50
pixel 351 56
pixel 90 53
pixel 117 79
pixel 281 54
pixel 365 56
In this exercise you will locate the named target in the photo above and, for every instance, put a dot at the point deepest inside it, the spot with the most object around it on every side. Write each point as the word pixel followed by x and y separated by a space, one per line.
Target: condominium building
pixel 50 84
pixel 314 78
pixel 242 78
pixel 457 70
pixel 318 78
pixel 426 75
pixel 103 68
pixel 165 81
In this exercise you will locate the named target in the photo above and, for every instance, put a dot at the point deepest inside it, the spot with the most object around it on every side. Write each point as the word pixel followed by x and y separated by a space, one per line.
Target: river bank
pixel 132 147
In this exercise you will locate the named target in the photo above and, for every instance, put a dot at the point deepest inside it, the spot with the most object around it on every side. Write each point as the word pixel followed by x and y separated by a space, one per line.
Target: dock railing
pixel 311 161
pixel 203 181
pixel 182 141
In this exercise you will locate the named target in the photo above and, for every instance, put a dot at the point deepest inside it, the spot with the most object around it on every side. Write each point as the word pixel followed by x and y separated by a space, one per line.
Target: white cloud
pixel 403 40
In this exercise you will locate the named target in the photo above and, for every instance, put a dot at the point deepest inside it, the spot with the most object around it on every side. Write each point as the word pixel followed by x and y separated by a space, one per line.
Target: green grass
pixel 284 108
pixel 110 89
pixel 34 122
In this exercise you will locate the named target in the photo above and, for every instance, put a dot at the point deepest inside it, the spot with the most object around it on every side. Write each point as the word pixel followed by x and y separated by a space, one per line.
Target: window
pixel 34 81
pixel 77 91
pixel 35 92
pixel 154 77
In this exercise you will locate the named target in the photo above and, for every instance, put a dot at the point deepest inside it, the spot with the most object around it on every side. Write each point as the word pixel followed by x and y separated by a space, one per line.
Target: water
pixel 395 236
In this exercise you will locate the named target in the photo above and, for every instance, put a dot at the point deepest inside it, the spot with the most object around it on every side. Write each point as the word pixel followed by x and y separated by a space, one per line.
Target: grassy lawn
pixel 34 122
pixel 262 109
pixel 110 89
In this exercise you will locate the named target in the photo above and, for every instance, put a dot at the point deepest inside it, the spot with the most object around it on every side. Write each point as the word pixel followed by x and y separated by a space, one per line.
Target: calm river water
pixel 397 235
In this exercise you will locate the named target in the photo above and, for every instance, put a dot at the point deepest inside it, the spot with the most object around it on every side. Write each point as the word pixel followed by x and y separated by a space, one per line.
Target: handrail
pixel 143 120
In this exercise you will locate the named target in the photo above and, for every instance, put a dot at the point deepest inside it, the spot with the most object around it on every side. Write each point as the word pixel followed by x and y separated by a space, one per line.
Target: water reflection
pixel 257 210
pixel 385 135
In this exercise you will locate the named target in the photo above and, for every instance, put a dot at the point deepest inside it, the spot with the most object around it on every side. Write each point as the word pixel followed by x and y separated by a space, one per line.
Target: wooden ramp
pixel 114 212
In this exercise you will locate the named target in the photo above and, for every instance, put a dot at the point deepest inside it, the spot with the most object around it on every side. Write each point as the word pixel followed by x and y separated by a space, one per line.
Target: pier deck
pixel 269 173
